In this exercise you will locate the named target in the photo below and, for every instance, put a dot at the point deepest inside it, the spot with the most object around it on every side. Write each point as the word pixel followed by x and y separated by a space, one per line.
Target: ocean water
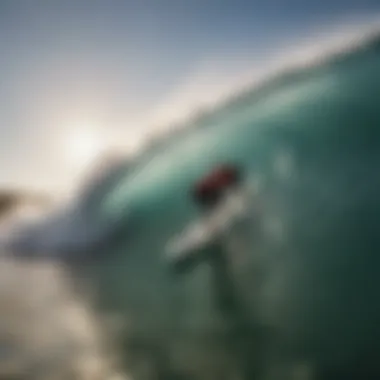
pixel 308 142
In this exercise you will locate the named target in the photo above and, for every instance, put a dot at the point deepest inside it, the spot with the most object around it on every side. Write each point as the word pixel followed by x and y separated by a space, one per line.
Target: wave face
pixel 309 141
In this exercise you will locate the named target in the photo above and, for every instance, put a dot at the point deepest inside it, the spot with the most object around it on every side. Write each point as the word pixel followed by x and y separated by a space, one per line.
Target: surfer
pixel 242 336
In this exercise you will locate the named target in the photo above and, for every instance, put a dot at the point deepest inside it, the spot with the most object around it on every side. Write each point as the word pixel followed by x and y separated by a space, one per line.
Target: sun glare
pixel 83 147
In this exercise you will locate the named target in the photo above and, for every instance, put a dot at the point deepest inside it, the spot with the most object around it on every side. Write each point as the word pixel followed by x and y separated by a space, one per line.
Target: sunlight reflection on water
pixel 45 330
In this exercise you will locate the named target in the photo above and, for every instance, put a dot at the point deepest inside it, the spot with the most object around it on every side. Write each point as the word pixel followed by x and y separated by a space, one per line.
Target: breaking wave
pixel 45 330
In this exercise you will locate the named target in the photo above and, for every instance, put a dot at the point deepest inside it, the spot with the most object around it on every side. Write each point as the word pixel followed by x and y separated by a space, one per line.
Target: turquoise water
pixel 317 104
pixel 311 140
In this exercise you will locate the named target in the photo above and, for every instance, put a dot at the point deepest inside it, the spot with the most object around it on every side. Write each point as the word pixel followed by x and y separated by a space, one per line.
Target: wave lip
pixel 197 102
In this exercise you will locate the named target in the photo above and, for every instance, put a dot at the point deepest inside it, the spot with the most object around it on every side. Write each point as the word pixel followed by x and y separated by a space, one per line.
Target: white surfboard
pixel 210 228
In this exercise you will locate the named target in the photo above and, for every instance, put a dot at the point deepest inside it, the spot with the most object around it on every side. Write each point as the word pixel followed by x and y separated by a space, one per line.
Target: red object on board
pixel 211 188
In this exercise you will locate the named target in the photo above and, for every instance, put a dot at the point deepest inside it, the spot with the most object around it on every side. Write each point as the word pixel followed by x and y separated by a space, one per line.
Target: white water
pixel 47 331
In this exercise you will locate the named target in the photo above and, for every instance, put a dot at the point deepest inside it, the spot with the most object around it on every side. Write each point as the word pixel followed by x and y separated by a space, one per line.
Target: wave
pixel 336 52
pixel 340 54
pixel 337 48
pixel 196 102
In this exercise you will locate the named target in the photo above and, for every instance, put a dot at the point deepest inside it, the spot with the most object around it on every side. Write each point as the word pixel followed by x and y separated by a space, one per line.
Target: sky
pixel 79 76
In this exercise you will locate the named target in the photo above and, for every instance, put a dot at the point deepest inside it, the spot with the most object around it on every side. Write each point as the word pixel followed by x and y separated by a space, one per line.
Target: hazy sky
pixel 72 71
